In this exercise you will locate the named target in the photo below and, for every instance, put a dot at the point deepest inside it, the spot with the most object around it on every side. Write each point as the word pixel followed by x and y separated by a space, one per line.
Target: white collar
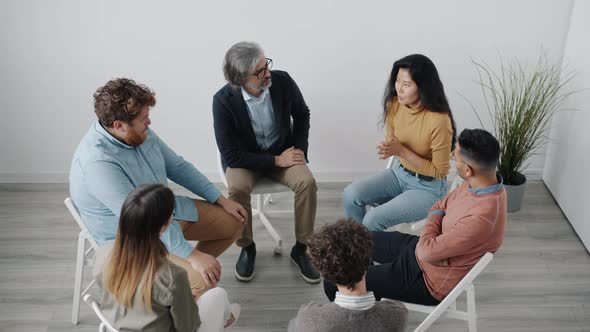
pixel 355 302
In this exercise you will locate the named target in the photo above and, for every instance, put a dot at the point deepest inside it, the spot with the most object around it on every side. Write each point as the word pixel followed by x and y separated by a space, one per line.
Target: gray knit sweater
pixel 390 316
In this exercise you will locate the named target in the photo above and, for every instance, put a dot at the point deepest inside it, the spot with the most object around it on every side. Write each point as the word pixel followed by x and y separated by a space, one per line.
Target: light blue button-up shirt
pixel 489 189
pixel 104 171
pixel 262 116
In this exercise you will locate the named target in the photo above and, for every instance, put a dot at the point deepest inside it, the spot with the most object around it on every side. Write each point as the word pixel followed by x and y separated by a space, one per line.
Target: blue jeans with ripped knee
pixel 398 196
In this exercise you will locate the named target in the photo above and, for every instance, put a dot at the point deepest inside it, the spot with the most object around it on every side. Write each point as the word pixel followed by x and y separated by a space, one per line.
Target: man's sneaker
pixel 245 265
pixel 299 257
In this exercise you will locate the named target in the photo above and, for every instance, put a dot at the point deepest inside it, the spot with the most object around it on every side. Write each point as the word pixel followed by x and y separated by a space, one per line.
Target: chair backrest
pixel 74 212
pixel 462 286
pixel 476 269
pixel 391 161
pixel 96 307
pixel 220 169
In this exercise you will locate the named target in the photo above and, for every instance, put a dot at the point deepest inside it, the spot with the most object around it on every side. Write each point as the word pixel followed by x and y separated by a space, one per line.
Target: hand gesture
pixel 386 149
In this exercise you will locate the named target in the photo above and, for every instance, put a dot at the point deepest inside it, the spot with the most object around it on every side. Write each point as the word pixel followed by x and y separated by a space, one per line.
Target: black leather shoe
pixel 245 265
pixel 299 257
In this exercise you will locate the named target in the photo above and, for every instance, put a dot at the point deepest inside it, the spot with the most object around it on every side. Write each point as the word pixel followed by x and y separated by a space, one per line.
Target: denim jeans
pixel 398 198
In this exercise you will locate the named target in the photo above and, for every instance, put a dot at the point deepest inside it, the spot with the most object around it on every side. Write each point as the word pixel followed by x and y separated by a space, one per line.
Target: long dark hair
pixel 432 93
pixel 137 253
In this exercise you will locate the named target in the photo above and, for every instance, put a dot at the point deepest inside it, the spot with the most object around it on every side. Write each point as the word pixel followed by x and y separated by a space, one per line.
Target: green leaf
pixel 520 102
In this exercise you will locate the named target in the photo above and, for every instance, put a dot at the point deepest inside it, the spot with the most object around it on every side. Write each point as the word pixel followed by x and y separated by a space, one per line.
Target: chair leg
pixel 78 278
pixel 261 209
pixel 260 203
pixel 471 312
pixel 453 306
pixel 267 199
pixel 102 328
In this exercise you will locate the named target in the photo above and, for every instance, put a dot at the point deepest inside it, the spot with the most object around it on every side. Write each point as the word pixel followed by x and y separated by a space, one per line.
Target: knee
pixel 239 229
pixel 306 183
pixel 239 188
pixel 350 195
pixel 374 220
pixel 198 286
pixel 232 227
pixel 216 292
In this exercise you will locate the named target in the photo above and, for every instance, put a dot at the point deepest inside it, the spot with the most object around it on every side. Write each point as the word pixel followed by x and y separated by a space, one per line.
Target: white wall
pixel 568 156
pixel 56 53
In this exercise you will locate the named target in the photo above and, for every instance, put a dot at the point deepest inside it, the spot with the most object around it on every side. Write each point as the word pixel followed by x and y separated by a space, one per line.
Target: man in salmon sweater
pixel 460 229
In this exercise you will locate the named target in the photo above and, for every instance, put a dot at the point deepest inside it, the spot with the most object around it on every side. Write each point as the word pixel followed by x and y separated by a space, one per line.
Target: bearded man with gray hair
pixel 262 127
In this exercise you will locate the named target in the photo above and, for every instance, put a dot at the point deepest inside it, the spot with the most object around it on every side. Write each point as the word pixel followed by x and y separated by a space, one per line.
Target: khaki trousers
pixel 215 230
pixel 241 181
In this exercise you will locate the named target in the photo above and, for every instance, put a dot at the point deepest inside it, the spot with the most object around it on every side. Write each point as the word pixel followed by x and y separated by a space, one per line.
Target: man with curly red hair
pixel 119 153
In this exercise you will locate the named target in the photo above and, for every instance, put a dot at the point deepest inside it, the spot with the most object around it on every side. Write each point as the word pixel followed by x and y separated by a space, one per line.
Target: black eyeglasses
pixel 260 73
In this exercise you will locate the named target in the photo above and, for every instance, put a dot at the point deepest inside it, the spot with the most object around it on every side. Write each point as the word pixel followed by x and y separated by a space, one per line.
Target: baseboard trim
pixel 320 176
pixel 534 174
pixel 49 177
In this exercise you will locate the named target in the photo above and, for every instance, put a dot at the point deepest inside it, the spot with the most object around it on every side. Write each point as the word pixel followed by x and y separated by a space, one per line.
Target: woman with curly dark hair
pixel 342 253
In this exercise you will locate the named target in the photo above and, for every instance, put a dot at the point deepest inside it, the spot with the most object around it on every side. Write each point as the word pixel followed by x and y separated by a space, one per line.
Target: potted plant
pixel 521 102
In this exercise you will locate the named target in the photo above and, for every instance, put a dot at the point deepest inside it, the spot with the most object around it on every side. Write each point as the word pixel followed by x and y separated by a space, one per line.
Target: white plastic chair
pixel 82 259
pixel 448 306
pixel 262 194
pixel 416 227
pixel 104 326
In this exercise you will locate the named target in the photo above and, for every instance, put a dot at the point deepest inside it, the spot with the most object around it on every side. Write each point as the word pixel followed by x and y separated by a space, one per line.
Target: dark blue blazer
pixel 233 128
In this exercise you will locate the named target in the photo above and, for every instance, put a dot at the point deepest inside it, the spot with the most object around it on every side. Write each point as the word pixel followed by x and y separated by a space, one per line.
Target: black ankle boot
pixel 299 257
pixel 245 264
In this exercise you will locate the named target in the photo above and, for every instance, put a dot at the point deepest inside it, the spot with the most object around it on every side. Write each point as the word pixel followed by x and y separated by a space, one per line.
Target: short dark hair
pixel 341 251
pixel 121 99
pixel 480 148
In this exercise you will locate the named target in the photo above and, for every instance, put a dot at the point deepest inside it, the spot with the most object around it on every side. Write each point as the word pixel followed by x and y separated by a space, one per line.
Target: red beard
pixel 136 139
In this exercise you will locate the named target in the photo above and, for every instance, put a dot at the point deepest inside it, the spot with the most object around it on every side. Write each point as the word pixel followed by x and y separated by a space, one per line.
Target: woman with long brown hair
pixel 142 289
pixel 421 133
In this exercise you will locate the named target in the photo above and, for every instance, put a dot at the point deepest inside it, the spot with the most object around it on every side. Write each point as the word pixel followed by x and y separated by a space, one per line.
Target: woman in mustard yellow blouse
pixel 420 131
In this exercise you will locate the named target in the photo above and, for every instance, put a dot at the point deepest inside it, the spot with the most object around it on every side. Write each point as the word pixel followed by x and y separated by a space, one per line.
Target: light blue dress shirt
pixel 262 116
pixel 104 171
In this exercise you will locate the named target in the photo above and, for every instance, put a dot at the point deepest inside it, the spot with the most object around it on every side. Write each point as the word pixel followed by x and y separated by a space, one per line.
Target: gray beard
pixel 261 87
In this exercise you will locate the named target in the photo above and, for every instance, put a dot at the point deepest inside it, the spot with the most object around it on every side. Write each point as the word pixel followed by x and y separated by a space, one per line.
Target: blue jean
pixel 398 196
